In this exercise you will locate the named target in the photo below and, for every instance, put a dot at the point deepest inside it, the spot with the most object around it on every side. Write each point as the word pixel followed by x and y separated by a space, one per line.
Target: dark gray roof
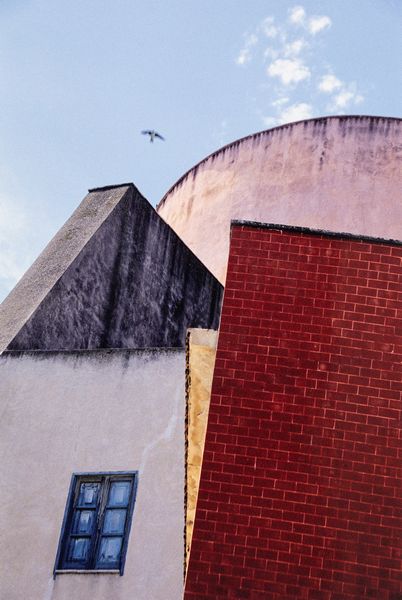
pixel 115 276
pixel 58 255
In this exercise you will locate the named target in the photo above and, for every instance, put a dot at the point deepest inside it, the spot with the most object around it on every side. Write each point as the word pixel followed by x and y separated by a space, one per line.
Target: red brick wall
pixel 300 493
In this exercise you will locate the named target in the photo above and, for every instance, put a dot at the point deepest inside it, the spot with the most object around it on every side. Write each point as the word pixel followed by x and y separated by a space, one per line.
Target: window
pixel 97 522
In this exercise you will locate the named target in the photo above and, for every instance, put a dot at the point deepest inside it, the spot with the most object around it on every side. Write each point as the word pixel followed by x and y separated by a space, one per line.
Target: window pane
pixel 97 521
pixel 78 549
pixel 83 521
pixel 119 493
pixel 88 494
pixel 109 551
pixel 114 521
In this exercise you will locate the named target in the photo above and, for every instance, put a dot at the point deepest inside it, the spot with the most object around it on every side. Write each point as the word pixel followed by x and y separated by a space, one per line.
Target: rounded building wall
pixel 334 173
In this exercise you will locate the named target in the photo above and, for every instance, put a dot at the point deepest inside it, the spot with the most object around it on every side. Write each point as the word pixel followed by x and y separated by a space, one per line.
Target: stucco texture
pixel 131 283
pixel 56 258
pixel 90 412
pixel 335 173
pixel 201 348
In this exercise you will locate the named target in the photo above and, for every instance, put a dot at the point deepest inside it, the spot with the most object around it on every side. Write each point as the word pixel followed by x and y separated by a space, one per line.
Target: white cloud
pixel 296 112
pixel 244 57
pixel 294 48
pixel 289 71
pixel 342 99
pixel 343 95
pixel 329 83
pixel 290 49
pixel 251 40
pixel 346 97
pixel 316 24
pixel 271 53
pixel 280 102
pixel 245 53
pixel 268 28
pixel 297 15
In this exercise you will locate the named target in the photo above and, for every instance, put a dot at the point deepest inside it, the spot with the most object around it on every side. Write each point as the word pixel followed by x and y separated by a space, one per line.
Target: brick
pixel 299 495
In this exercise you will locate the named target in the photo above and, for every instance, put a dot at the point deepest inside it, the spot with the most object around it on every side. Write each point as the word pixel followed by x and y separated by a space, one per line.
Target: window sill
pixel 87 572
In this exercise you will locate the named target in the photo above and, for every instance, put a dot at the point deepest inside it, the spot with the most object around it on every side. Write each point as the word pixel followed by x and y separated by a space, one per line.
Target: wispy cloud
pixel 287 114
pixel 300 83
pixel 294 48
pixel 344 95
pixel 296 112
pixel 288 70
pixel 245 53
pixel 317 24
pixel 345 98
pixel 329 83
pixel 297 15
pixel 268 28
pixel 280 101
pixel 314 24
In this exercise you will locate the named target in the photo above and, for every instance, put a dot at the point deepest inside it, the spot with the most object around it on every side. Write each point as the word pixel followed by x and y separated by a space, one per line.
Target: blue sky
pixel 79 80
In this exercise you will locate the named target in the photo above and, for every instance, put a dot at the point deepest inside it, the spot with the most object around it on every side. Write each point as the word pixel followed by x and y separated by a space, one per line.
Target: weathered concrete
pixel 334 173
pixel 58 255
pixel 201 351
pixel 115 276
pixel 91 411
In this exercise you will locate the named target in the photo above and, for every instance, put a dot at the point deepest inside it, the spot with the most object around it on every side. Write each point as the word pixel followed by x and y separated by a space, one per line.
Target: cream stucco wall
pixel 91 411
pixel 201 351
pixel 336 173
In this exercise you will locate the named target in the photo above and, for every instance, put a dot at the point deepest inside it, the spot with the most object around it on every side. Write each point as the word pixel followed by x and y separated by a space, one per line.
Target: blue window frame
pixel 97 522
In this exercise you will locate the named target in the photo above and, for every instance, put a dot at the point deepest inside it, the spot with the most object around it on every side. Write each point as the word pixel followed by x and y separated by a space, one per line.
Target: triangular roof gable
pixel 22 302
pixel 115 276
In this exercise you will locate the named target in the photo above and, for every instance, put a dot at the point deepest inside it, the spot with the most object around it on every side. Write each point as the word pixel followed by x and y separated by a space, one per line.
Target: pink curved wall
pixel 336 173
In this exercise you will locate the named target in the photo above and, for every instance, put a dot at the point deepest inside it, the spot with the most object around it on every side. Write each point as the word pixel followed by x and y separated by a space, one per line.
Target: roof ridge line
pixel 111 187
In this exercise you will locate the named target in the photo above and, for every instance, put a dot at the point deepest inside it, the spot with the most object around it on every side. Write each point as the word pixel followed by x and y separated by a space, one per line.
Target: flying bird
pixel 152 134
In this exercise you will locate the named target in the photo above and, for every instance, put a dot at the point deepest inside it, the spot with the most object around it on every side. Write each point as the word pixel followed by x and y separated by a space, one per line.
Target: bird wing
pixel 159 136
pixel 146 132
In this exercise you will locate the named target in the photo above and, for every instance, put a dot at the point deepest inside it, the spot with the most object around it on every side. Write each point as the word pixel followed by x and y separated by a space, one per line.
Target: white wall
pixel 68 412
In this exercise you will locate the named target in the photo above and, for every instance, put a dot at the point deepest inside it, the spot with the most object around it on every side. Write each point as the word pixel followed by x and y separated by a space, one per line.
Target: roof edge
pixel 316 232
pixel 262 132
pixel 7 306
pixel 94 351
pixel 112 187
